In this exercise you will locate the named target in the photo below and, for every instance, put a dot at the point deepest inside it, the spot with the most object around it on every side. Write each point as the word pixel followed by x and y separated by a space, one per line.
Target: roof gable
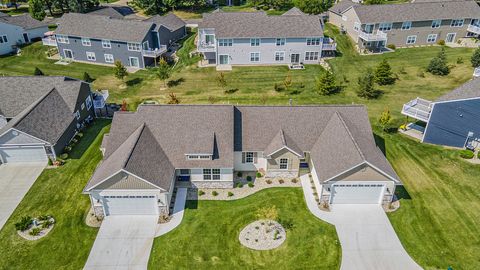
pixel 24 20
pixel 281 141
pixel 170 21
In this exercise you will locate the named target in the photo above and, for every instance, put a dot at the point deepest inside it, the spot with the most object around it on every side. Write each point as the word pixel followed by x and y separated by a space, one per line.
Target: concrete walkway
pixel 367 238
pixel 177 215
pixel 15 181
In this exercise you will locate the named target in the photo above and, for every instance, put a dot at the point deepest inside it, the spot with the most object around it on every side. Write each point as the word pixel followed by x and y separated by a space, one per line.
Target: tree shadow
pixel 134 81
pixel 177 82
pixel 402 193
pixel 191 204
pixel 89 135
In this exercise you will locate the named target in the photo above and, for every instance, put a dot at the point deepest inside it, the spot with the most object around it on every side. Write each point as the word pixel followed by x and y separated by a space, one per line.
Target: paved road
pixel 123 242
pixel 367 238
pixel 15 181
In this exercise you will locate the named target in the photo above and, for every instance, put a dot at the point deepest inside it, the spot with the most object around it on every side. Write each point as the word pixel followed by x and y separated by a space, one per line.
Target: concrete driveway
pixel 15 181
pixel 123 242
pixel 367 238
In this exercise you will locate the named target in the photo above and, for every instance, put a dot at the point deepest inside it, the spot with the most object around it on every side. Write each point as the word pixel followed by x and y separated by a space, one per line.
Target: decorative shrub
pixel 251 184
pixel 201 193
pixel 294 180
pixel 239 174
pixel 278 87
pixel 230 194
pixel 80 135
pixel 239 185
pixel 259 174
pixel 466 154
pixel 281 181
pixel 35 231
pixel 67 149
pixel 267 213
pixel 46 224
pixel 391 46
pixel 478 156
pixel 249 178
pixel 24 223
pixel 286 223
pixel 43 218
pixel 214 193
pixel 269 181
pixel 459 60
pixel 441 42
pixel 64 156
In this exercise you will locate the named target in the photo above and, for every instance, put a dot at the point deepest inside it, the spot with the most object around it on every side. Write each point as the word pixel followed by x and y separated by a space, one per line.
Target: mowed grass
pixel 208 236
pixel 57 192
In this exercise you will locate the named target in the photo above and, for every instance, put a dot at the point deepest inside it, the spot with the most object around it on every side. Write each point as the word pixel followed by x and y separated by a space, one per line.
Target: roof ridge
pixel 29 109
pixel 283 137
pixel 134 145
pixel 351 135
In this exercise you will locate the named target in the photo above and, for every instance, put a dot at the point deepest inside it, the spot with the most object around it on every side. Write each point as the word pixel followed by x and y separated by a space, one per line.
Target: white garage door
pixel 357 193
pixel 23 154
pixel 130 205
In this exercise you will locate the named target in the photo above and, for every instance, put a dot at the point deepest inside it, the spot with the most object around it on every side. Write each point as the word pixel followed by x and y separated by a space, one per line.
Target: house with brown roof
pixel 148 151
pixel 373 27
pixel 255 38
pixel 18 30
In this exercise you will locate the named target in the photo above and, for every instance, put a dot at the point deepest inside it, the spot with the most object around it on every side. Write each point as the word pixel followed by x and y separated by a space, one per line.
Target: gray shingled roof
pixel 470 89
pixel 3 14
pixel 279 141
pixel 102 27
pixel 421 11
pixel 171 21
pixel 293 12
pixel 41 106
pixel 25 21
pixel 258 24
pixel 342 6
pixel 112 11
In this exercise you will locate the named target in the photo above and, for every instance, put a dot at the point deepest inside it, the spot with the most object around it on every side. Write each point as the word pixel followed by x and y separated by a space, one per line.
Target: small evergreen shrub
pixel 239 185
pixel 269 181
pixel 259 174
pixel 281 181
pixel 64 156
pixel 239 174
pixel 230 194
pixel 201 193
pixel 441 42
pixel 391 46
pixel 214 193
pixel 251 184
pixel 466 154
pixel 35 231
pixel 249 178
pixel 24 223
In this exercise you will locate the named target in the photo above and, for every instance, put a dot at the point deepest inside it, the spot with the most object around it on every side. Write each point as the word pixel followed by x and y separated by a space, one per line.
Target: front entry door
pixel 25 37
pixel 223 59
pixel 450 37
pixel 68 54
pixel 295 58
pixel 134 62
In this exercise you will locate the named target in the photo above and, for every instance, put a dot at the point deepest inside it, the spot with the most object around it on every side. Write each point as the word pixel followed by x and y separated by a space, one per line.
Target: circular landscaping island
pixel 263 235
pixel 34 228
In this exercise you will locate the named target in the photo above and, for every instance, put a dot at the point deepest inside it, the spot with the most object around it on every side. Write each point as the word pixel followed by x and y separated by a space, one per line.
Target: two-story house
pixel 18 30
pixel 254 38
pixel 103 40
pixel 373 27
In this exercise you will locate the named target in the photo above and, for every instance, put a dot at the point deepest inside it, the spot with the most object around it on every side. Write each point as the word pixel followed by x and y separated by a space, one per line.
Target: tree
pixel 36 9
pixel 172 99
pixel 313 6
pixel 221 81
pixel 366 88
pixel 288 80
pixel 438 65
pixel 476 58
pixel 163 71
pixel 383 73
pixel 326 84
pixel 87 78
pixel 120 70
pixel 38 72
pixel 385 119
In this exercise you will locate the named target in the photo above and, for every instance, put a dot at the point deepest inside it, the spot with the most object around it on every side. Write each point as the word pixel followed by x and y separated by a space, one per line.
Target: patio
pixel 413 130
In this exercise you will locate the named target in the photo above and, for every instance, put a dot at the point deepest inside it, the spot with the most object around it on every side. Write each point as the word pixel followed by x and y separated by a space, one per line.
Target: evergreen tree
pixel 326 84
pixel 385 119
pixel 36 9
pixel 383 73
pixel 163 71
pixel 438 65
pixel 476 58
pixel 120 70
pixel 366 88
pixel 38 72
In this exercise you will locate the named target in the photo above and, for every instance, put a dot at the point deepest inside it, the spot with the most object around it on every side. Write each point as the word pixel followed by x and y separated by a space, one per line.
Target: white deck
pixel 418 108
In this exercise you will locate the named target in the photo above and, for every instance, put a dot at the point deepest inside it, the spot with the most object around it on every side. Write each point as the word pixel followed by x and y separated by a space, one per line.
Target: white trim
pixel 127 172
pixel 86 42
pixel 106 41
pixel 426 127
pixel 259 42
pixel 109 54
pixel 131 46
pixel 455 100
pixel 228 58
pixel 363 163
pixel 382 172
pixel 23 147
pixel 284 42
pixel 87 101
pixel 133 57
pixel 259 57
pixel 275 56
pixel 24 134
pixel 439 24
pixel 453 39
pixel 284 147
pixel 409 23
pixel 414 41
pixel 382 195
pixel 435 40
pixel 280 164
pixel 71 52
pixel 144 180
pixel 91 56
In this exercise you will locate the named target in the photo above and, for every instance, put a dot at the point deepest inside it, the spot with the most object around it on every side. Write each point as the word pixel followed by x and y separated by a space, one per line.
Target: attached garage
pixel 130 205
pixel 357 193
pixel 23 154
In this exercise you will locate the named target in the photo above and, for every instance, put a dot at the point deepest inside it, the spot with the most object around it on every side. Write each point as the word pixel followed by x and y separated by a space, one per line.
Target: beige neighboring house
pixel 148 151
pixel 373 27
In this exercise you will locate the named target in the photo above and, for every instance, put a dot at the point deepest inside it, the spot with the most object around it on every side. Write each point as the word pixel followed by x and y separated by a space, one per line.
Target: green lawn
pixel 208 236
pixel 57 192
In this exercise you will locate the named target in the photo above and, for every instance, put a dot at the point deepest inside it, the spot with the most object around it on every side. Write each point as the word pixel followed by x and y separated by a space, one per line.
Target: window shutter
pixel 243 157
pixel 255 157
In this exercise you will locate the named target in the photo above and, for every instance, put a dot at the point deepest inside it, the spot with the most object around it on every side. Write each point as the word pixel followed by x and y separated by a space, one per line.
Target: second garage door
pixel 130 205
pixel 23 154
pixel 357 193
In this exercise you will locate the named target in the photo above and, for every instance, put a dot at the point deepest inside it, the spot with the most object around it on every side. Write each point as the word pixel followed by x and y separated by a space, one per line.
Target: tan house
pixel 373 27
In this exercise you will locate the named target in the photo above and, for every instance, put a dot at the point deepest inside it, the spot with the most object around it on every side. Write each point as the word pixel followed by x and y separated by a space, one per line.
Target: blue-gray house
pixel 451 120
pixel 94 38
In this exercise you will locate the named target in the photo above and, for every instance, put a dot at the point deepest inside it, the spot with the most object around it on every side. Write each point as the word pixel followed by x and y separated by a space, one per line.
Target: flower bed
pixel 263 235
pixel 34 228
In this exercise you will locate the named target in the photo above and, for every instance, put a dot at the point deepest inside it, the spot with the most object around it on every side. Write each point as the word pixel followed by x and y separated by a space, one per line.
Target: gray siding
pixel 15 36
pixel 167 37
pixel 450 122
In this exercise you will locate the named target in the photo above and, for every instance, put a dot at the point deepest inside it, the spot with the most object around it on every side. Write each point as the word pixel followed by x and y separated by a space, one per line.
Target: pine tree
pixel 120 70
pixel 326 84
pixel 385 119
pixel 221 81
pixel 163 71
pixel 383 73
pixel 36 9
pixel 366 87
pixel 476 58
pixel 38 72
pixel 438 65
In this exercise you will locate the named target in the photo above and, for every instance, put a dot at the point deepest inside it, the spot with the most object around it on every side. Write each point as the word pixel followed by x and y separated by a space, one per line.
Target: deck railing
pixel 206 47
pixel 376 36
pixel 49 41
pixel 156 52
pixel 474 29
pixel 418 108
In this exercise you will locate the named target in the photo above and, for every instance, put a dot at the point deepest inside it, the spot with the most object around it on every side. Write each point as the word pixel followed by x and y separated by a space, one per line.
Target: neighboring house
pixel 451 120
pixel 39 115
pixel 206 145
pixel 103 40
pixel 254 38
pixel 169 27
pixel 113 11
pixel 373 27
pixel 18 30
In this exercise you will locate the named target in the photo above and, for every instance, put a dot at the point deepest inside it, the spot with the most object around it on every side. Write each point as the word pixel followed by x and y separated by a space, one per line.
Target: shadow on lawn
pixel 402 193
pixel 89 136
pixel 191 204
pixel 134 81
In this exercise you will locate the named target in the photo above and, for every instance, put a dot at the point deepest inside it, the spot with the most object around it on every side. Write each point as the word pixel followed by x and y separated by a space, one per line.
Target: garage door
pixel 357 193
pixel 130 205
pixel 23 154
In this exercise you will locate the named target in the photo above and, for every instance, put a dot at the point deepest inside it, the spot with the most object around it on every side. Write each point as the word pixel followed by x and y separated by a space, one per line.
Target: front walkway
pixel 15 181
pixel 367 238
pixel 177 215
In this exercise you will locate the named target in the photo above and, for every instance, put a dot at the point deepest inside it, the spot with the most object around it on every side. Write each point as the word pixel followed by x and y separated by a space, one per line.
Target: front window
pixel 86 42
pixel 225 42
pixel 184 171
pixel 134 47
pixel 3 39
pixel 255 57
pixel 109 58
pixel 311 56
pixel 436 23
pixel 411 39
pixel 431 38
pixel 280 42
pixel 406 25
pixel 284 164
pixel 313 41
pixel 385 27
pixel 249 157
pixel 88 101
pixel 356 26
pixel 198 157
pixel 457 23
pixel 91 56
pixel 106 44
pixel 62 39
pixel 279 56
pixel 211 174
pixel 254 42
pixel 209 39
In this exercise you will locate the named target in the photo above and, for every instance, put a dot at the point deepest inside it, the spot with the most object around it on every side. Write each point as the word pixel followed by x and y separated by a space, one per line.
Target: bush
pixel 366 88
pixel 231 91
pixel 239 174
pixel 35 231
pixel 64 156
pixel 279 87
pixel 478 156
pixel 46 224
pixel 201 193
pixel 438 65
pixel 87 78
pixel 249 178
pixel 269 181
pixel 475 60
pixel 80 135
pixel 239 185
pixel 287 224
pixel 326 84
pixel 24 223
pixel 67 149
pixel 42 218
pixel 251 184
pixel 259 174
pixel 214 193
pixel 441 42
pixel 281 181
pixel 383 73
pixel 459 60
pixel 230 194
pixel 391 46
pixel 294 180
pixel 466 154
